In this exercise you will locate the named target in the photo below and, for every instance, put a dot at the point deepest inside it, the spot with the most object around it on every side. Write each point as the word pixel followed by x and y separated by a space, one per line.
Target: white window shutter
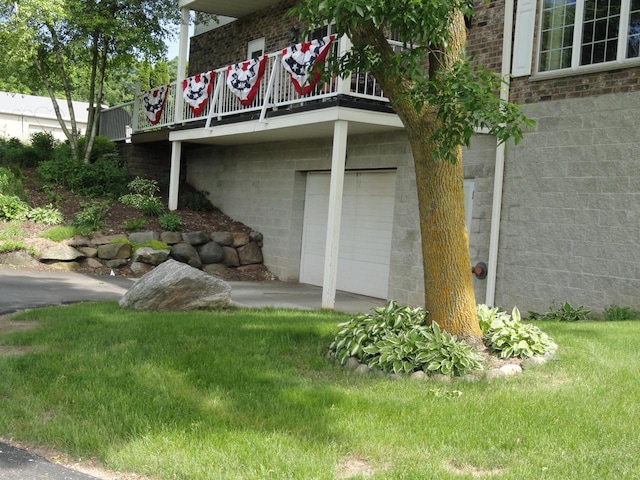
pixel 523 43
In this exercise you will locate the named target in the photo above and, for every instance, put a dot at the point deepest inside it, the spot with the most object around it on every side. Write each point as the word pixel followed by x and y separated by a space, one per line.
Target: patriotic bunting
pixel 196 90
pixel 244 78
pixel 153 103
pixel 303 60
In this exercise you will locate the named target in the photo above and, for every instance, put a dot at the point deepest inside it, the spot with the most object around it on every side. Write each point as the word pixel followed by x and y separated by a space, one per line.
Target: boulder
pixel 171 238
pixel 214 268
pixel 150 256
pixel 240 239
pixel 255 237
pixel 230 257
pixel 58 252
pixel 143 237
pixel 176 286
pixel 103 240
pixel 91 262
pixel 19 258
pixel 211 252
pixel 224 239
pixel 112 251
pixel 185 253
pixel 249 254
pixel 140 268
pixel 88 252
pixel 195 238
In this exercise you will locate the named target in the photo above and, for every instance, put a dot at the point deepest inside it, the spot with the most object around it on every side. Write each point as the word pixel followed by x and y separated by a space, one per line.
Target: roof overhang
pixel 235 8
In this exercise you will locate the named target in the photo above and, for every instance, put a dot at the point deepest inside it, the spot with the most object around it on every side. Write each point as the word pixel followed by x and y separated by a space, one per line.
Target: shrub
pixel 101 146
pixel 43 145
pixel 510 337
pixel 617 313
pixel 396 339
pixel 133 224
pixel 196 201
pixel 143 196
pixel 10 184
pixel 12 208
pixel 89 219
pixel 46 215
pixel 16 246
pixel 170 222
pixel 566 313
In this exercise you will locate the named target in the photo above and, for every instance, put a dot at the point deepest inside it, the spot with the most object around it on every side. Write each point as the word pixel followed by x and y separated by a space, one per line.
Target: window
pixel 255 49
pixel 577 33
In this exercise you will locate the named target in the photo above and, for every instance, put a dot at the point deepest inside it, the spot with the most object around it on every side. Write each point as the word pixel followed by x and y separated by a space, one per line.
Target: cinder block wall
pixel 571 210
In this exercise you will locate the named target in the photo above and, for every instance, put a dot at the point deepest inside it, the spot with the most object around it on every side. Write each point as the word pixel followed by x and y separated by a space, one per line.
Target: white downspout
pixel 498 177
pixel 176 147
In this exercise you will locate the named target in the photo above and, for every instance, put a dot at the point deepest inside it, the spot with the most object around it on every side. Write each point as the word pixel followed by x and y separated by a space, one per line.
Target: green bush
pixel 170 222
pixel 617 313
pixel 10 184
pixel 90 218
pixel 43 144
pixel 16 246
pixel 46 215
pixel 510 337
pixel 12 208
pixel 101 146
pixel 101 178
pixel 396 339
pixel 196 201
pixel 133 224
pixel 143 196
pixel 566 313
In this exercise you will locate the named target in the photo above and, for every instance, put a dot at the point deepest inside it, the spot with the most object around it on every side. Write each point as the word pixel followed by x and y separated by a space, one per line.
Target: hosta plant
pixel 397 339
pixel 508 336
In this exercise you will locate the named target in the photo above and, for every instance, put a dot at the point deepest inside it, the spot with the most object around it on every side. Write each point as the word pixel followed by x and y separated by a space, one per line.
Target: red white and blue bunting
pixel 196 91
pixel 153 103
pixel 243 79
pixel 303 62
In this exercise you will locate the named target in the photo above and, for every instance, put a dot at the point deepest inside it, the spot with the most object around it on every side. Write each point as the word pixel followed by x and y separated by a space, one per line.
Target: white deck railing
pixel 276 92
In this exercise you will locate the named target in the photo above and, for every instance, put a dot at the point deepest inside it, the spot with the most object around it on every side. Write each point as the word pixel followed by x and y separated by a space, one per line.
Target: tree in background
pixel 56 36
pixel 441 100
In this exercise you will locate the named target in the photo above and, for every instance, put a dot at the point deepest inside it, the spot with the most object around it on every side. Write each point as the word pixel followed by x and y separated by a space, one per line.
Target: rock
pixel 230 257
pixel 257 267
pixel 186 253
pixel 211 252
pixel 59 252
pixel 116 262
pixel 419 376
pixel 214 268
pixel 176 286
pixel 255 237
pixel 112 251
pixel 104 240
pixel 140 268
pixel 78 242
pixel 171 238
pixel 150 256
pixel 534 361
pixel 18 259
pixel 224 239
pixel 510 369
pixel 91 262
pixel 363 369
pixel 143 237
pixel 88 252
pixel 352 363
pixel 195 238
pixel 65 266
pixel 250 254
pixel 441 378
pixel 240 239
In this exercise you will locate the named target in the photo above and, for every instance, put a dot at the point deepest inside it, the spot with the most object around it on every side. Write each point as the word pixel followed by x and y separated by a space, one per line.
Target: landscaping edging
pixel 216 253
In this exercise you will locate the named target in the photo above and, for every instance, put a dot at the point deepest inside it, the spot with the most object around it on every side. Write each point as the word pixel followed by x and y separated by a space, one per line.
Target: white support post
pixel 344 84
pixel 174 175
pixel 182 64
pixel 338 161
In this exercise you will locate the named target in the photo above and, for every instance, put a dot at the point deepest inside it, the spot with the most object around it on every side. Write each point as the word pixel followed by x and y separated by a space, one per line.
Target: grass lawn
pixel 249 394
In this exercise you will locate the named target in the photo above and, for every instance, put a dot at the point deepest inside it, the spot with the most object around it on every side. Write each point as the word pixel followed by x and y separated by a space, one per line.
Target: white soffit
pixel 235 8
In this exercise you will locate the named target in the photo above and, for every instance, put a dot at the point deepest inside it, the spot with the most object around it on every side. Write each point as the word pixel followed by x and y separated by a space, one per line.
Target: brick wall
pixel 228 44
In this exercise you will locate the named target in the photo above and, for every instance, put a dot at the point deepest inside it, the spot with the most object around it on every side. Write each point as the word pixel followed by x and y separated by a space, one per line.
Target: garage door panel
pixel 365 232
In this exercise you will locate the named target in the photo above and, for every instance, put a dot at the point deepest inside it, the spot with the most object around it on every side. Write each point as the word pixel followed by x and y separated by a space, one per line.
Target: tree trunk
pixel 449 295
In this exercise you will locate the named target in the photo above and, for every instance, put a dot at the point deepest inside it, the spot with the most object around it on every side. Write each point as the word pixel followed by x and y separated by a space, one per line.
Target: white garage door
pixel 365 232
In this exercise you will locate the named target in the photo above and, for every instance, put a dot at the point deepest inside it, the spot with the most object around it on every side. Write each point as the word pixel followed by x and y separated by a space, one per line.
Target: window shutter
pixel 523 43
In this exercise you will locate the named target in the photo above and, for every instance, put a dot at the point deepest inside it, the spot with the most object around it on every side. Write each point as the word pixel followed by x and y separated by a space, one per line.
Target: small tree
pixel 441 100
